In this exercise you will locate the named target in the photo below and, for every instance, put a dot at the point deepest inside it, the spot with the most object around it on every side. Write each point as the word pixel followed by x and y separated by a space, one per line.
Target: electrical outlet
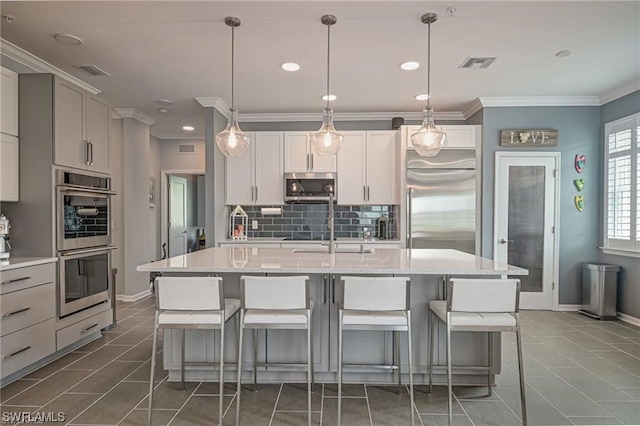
pixel 254 224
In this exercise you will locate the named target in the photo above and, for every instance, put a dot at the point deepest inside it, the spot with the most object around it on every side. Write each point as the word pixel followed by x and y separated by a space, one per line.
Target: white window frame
pixel 630 247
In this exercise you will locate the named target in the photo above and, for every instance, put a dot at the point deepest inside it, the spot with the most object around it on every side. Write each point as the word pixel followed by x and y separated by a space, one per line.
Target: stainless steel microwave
pixel 309 187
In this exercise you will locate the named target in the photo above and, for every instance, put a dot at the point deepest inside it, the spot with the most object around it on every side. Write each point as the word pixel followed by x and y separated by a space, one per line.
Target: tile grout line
pixel 185 402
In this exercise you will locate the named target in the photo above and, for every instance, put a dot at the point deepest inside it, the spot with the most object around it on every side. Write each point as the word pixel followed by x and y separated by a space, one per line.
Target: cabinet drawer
pixel 25 308
pixel 77 331
pixel 27 346
pixel 21 278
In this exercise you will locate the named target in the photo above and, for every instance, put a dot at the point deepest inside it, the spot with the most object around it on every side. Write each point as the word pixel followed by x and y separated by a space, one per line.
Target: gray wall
pixel 117 201
pixel 171 159
pixel 215 210
pixel 579 132
pixel 629 278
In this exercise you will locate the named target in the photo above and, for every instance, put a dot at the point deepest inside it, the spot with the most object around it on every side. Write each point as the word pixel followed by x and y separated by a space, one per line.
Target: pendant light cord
pixel 428 65
pixel 233 28
pixel 328 60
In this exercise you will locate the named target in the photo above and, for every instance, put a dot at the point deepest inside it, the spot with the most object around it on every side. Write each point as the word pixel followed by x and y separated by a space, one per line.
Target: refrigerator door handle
pixel 409 202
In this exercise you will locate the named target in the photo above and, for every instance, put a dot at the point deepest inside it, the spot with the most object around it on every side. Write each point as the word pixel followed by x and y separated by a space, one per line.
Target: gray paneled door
pixel 177 215
pixel 525 222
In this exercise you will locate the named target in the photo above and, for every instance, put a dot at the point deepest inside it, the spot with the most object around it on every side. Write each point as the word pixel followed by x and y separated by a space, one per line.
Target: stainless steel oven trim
pixel 85 242
pixel 65 308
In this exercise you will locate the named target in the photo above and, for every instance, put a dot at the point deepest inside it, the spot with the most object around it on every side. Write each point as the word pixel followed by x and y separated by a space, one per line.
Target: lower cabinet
pixel 27 346
pixel 77 331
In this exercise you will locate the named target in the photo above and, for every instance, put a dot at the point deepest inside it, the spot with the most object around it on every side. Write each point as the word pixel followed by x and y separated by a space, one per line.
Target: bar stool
pixel 196 303
pixel 275 303
pixel 375 303
pixel 487 305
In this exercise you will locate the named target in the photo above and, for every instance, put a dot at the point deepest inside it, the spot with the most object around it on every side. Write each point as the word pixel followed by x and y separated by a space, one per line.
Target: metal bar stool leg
pixel 397 362
pixel 430 339
pixel 339 368
pixel 255 359
pixel 239 387
pixel 449 385
pixel 184 332
pixel 309 372
pixel 490 368
pixel 221 395
pixel 521 371
pixel 411 399
pixel 153 370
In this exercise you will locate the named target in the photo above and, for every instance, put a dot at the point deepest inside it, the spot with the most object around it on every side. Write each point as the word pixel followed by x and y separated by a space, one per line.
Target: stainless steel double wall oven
pixel 83 242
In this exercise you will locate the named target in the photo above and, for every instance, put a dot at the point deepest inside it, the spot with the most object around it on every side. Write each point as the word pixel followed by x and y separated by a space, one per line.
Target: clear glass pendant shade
pixel 327 140
pixel 428 140
pixel 232 141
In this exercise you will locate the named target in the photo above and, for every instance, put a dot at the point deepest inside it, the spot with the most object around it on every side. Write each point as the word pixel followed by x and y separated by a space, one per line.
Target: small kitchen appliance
pixel 4 237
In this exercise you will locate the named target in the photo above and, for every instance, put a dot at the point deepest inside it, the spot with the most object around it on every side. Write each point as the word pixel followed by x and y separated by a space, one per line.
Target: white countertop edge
pixel 333 270
pixel 23 262
pixel 318 242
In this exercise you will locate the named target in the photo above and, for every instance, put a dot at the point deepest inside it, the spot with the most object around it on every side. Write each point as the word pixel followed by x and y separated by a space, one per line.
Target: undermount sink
pixel 325 250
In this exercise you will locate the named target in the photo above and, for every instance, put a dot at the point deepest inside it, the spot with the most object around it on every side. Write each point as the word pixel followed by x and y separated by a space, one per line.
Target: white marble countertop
pixel 381 261
pixel 22 262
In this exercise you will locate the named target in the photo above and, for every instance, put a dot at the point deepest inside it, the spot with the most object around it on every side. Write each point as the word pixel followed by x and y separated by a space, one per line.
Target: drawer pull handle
pixel 19 311
pixel 16 280
pixel 16 352
pixel 84 330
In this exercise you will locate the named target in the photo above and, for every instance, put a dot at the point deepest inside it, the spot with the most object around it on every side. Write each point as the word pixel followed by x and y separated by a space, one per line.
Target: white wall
pixel 171 159
pixel 117 202
pixel 154 212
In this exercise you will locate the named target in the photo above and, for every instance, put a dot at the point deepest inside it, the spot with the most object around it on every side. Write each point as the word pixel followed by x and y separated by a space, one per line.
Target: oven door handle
pixel 82 252
pixel 78 190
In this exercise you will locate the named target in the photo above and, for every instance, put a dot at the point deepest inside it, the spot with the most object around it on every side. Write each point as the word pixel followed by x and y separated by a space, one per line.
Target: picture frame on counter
pixel 528 137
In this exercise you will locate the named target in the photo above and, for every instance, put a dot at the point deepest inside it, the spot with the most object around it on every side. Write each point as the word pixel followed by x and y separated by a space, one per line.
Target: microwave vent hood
pixel 309 187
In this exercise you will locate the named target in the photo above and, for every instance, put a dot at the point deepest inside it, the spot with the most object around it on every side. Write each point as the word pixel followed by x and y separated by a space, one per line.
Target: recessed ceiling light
pixel 563 53
pixel 331 97
pixel 290 66
pixel 422 97
pixel 163 110
pixel 188 128
pixel 411 65
pixel 164 102
pixel 68 39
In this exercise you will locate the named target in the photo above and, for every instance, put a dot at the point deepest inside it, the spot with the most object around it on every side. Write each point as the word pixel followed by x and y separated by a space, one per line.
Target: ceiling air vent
pixel 480 63
pixel 186 149
pixel 92 69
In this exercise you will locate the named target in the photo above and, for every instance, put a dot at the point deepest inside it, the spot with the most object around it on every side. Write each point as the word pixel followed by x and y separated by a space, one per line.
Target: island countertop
pixel 380 261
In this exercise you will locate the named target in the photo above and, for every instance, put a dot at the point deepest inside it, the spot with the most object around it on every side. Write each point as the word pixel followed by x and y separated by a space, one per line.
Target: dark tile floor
pixel 578 371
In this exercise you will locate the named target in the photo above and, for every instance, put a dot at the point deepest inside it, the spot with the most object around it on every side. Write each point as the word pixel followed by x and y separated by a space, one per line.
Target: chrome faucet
pixel 332 239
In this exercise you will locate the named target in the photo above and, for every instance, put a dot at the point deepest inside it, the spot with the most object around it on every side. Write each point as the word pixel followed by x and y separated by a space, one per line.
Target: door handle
pixel 409 203
pixel 256 193
pixel 86 152
pixel 311 161
pixel 364 193
pixel 91 149
pixel 19 311
pixel 368 194
pixel 308 161
pixel 503 241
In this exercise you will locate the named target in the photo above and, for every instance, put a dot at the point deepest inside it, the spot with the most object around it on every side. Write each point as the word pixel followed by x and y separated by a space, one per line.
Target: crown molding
pixel 474 106
pixel 175 136
pixel 619 92
pixel 135 114
pixel 527 101
pixel 38 65
pixel 214 102
pixel 344 116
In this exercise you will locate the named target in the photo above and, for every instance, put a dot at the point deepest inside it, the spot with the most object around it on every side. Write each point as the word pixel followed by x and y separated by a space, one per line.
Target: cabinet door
pixel 322 163
pixel 98 119
pixel 70 148
pixel 9 168
pixel 9 103
pixel 407 131
pixel 461 136
pixel 239 176
pixel 269 168
pixel 381 167
pixel 296 152
pixel 351 169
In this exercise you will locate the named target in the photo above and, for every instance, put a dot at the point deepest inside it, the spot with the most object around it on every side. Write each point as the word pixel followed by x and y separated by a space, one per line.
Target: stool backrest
pixel 376 293
pixel 274 292
pixel 189 293
pixel 483 295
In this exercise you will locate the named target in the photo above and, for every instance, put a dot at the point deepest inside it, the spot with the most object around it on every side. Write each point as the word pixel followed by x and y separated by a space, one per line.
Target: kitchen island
pixel 428 269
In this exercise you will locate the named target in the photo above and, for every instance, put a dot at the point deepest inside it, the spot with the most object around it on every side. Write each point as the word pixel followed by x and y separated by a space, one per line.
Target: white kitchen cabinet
pixel 81 128
pixel 367 168
pixel 458 136
pixel 9 102
pixel 256 176
pixel 9 173
pixel 300 158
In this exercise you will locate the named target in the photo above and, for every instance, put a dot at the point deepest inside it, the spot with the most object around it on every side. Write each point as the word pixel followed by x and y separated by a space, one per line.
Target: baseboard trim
pixel 628 318
pixel 569 307
pixel 133 297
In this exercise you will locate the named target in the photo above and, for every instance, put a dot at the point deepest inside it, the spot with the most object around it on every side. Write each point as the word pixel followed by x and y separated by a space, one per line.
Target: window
pixel 622 175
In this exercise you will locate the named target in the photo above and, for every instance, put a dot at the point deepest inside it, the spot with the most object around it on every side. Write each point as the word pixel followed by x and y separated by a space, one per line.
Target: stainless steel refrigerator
pixel 441 200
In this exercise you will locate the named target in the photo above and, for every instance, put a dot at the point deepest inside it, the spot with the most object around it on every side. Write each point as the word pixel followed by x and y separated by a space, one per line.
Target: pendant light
pixel 428 140
pixel 232 141
pixel 327 140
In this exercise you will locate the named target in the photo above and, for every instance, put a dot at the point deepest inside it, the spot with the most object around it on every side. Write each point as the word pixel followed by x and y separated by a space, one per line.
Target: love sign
pixel 529 137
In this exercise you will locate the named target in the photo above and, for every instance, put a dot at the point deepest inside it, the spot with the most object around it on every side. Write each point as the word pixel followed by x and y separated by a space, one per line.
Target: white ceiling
pixel 180 50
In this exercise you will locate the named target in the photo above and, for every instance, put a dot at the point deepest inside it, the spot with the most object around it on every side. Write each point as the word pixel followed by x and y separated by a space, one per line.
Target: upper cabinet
pixel 9 148
pixel 300 158
pixel 367 169
pixel 9 102
pixel 459 136
pixel 81 126
pixel 77 126
pixel 256 176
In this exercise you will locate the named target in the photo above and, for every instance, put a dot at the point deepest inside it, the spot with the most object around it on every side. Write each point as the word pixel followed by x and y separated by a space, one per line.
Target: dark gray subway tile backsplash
pixel 310 221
